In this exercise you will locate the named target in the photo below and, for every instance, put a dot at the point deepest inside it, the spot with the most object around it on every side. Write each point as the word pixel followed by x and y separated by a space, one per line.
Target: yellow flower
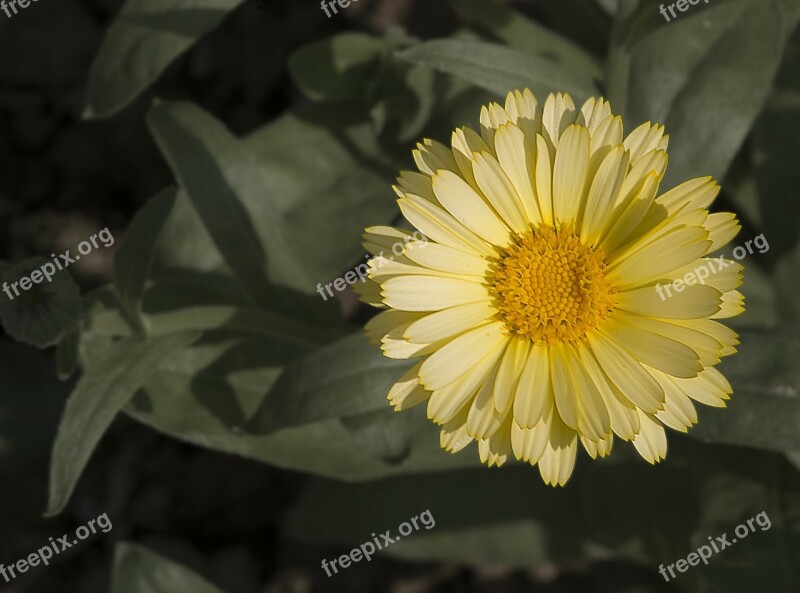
pixel 542 307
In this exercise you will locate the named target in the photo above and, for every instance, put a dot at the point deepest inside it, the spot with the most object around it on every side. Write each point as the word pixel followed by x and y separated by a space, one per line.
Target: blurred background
pixel 251 527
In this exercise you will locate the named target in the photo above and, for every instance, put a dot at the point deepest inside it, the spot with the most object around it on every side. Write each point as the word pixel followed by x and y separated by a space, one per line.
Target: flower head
pixel 542 307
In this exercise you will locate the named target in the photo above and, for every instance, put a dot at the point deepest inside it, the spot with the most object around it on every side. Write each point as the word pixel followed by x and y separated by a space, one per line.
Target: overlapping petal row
pixel 533 310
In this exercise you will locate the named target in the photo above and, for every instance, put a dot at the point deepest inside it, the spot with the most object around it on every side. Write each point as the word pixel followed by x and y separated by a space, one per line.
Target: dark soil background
pixel 61 179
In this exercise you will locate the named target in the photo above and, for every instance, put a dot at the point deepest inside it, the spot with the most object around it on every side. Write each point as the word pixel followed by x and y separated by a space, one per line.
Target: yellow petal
pixel 558 113
pixel 418 184
pixel 453 436
pixel 558 459
pixel 651 442
pixel 708 348
pixel 692 194
pixel 593 417
pixel 721 227
pixel 543 178
pixel 483 419
pixel 456 357
pixel 447 259
pixel 492 117
pixel 449 322
pixel 622 413
pixel 432 156
pixel 469 208
pixel 524 111
pixel 386 321
pixel 444 404
pixel 628 215
pixel 394 345
pixel 440 226
pixel 501 193
pixel 607 133
pixel 693 302
pixel 721 333
pixel 678 413
pixel 534 396
pixel 570 172
pixel 646 138
pixel 369 292
pixel 652 348
pixel 517 156
pixel 528 444
pixel 658 259
pixel 495 450
pixel 600 448
pixel 633 381
pixel 732 305
pixel 602 194
pixel 703 389
pixel 407 392
pixel 511 367
pixel 430 293
pixel 465 143
pixel 592 113
pixel 564 390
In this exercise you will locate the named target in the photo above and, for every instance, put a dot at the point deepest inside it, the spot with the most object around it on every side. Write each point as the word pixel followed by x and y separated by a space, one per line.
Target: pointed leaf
pixel 145 38
pixel 100 394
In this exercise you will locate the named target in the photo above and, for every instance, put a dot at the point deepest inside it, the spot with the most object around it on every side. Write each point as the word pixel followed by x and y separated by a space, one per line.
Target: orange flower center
pixel 551 287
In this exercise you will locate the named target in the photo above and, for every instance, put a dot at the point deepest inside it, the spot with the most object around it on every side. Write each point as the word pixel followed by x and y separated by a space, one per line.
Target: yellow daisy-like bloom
pixel 542 306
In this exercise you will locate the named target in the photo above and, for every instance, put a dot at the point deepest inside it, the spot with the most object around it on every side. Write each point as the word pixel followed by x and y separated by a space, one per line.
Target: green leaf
pixel 101 393
pixel 707 92
pixel 505 516
pixel 509 517
pixel 499 69
pixel 336 68
pixel 67 353
pixel 360 68
pixel 760 297
pixel 326 160
pixel 135 255
pixel 43 313
pixel 254 197
pixel 205 394
pixel 138 570
pixel 246 320
pixel 404 97
pixel 610 6
pixel 386 434
pixel 775 142
pixel 182 289
pixel 346 378
pixel 526 35
pixel 583 22
pixel 145 38
pixel 764 410
pixel 206 159
pixel 186 244
pixel 742 188
pixel 787 280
